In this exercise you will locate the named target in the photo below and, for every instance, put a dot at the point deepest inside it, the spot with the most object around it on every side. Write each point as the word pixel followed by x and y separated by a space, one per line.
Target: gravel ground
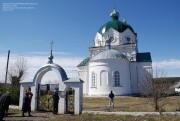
pixel 16 115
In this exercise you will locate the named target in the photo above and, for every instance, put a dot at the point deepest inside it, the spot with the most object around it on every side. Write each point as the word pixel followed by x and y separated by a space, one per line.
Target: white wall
pixel 104 86
pixel 143 69
pixel 119 43
pixel 134 77
pixel 119 38
pixel 23 88
pixel 177 89
pixel 83 75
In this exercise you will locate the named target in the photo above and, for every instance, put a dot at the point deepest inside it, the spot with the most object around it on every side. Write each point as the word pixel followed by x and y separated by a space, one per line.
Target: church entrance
pixel 45 100
pixel 68 90
pixel 70 101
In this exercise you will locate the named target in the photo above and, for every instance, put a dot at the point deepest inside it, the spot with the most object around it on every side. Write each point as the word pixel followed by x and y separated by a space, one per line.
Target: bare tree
pixel 17 71
pixel 155 89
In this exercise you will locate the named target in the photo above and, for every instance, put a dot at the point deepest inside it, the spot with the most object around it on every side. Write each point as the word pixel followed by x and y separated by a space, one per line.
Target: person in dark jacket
pixel 5 101
pixel 55 102
pixel 26 105
pixel 111 99
pixel 30 94
pixel 2 111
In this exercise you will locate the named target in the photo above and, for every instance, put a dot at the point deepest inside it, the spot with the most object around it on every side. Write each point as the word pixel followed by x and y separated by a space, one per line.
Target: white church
pixel 114 63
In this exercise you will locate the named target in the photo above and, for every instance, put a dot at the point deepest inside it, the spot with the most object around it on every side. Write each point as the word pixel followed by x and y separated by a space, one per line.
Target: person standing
pixel 111 99
pixel 5 101
pixel 30 94
pixel 55 102
pixel 26 105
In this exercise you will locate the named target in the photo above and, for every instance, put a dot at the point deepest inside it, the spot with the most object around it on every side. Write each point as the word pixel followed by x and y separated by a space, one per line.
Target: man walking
pixel 111 99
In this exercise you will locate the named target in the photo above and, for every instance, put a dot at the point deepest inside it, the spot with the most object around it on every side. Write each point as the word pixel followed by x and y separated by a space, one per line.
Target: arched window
pixel 93 80
pixel 128 39
pixel 116 79
pixel 104 78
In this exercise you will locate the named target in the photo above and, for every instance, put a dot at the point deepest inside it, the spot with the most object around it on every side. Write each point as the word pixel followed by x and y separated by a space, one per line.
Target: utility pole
pixel 7 66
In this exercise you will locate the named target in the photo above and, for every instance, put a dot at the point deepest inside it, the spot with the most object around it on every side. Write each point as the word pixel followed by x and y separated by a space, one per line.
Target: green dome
pixel 115 24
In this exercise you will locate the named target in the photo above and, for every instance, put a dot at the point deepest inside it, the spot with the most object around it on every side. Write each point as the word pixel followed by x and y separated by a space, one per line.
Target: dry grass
pixel 91 117
pixel 48 116
pixel 129 104
pixel 101 104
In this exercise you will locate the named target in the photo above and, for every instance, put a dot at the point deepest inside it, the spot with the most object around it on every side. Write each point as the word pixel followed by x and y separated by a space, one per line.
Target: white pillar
pixel 21 96
pixel 34 98
pixel 62 103
pixel 78 99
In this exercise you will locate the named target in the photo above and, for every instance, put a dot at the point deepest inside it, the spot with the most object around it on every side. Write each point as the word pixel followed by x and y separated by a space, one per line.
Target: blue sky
pixel 72 25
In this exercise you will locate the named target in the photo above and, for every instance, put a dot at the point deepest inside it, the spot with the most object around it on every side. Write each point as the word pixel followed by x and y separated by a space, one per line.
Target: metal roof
pixel 143 57
pixel 178 85
pixel 85 62
pixel 109 54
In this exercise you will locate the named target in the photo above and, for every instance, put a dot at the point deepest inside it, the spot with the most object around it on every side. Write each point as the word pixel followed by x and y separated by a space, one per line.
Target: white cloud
pixel 36 62
pixel 47 53
pixel 167 64
pixel 171 67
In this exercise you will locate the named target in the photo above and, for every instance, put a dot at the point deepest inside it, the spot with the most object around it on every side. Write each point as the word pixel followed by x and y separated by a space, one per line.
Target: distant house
pixel 177 87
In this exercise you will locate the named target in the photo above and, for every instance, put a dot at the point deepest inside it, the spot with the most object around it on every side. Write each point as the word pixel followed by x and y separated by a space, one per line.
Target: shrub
pixel 15 93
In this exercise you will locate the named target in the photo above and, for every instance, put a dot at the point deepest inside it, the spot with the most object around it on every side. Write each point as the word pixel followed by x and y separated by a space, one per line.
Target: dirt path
pixel 15 115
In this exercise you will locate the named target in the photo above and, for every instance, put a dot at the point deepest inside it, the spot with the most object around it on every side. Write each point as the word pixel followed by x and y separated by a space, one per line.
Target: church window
pixel 128 39
pixel 93 81
pixel 104 78
pixel 116 79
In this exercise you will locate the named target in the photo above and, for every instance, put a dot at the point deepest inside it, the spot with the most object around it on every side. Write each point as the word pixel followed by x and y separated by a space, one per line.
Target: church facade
pixel 114 63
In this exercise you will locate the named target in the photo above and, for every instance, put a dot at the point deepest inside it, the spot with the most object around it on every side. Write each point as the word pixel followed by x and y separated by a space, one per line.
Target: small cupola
pixel 115 24
pixel 114 15
pixel 51 57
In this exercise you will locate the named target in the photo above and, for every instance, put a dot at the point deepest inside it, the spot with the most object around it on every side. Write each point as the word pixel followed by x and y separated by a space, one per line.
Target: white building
pixel 177 87
pixel 115 62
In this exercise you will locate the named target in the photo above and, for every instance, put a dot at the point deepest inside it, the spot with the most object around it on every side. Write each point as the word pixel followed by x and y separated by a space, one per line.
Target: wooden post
pixel 7 66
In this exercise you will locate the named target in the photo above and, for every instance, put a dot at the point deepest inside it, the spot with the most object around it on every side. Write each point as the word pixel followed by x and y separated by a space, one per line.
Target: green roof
pixel 116 25
pixel 85 62
pixel 143 57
